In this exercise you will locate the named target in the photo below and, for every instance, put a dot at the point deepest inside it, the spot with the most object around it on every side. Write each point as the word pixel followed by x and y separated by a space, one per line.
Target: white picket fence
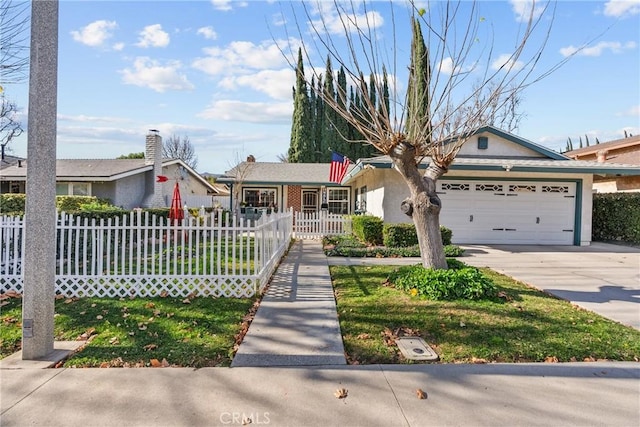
pixel 315 225
pixel 144 255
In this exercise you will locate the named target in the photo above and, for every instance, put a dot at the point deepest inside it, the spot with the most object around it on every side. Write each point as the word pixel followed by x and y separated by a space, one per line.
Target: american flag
pixel 339 166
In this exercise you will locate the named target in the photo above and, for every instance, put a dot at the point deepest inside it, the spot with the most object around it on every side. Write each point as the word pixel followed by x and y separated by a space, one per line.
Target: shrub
pixel 399 235
pixel 404 235
pixel 616 217
pixel 446 234
pixel 458 282
pixel 12 203
pixel 367 228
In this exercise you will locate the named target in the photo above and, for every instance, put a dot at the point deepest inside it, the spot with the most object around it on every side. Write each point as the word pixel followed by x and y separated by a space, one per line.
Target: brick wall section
pixel 294 197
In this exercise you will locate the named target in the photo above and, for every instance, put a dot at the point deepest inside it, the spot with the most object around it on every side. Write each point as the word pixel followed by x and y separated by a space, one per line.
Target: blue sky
pixel 210 70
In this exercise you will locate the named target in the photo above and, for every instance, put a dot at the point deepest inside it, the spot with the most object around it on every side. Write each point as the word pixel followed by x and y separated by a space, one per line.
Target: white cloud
pixel 161 78
pixel 524 9
pixel 251 112
pixel 346 19
pixel 96 33
pixel 506 62
pixel 275 83
pixel 226 5
pixel 118 46
pixel 446 66
pixel 633 111
pixel 598 49
pixel 153 36
pixel 240 55
pixel 208 33
pixel 621 8
pixel 81 118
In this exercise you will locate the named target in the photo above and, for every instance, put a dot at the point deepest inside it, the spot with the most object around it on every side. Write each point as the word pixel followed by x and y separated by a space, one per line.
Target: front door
pixel 309 201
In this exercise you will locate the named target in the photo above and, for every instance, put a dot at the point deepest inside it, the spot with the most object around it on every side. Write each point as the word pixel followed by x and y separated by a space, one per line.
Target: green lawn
pixel 193 332
pixel 523 325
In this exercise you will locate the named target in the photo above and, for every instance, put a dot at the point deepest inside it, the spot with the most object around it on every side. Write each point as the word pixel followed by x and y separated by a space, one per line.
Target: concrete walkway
pixel 297 322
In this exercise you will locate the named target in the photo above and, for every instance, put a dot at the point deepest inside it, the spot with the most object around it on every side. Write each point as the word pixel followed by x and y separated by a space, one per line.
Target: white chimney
pixel 153 156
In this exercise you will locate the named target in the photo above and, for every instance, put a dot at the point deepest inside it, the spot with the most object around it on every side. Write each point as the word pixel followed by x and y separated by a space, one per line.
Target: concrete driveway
pixel 602 278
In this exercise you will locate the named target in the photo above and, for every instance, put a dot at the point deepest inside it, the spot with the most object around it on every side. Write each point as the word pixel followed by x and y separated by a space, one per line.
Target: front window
pixel 259 197
pixel 73 189
pixel 338 200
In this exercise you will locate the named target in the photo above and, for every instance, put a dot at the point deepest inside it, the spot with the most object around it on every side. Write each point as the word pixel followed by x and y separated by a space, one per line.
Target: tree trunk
pixel 423 206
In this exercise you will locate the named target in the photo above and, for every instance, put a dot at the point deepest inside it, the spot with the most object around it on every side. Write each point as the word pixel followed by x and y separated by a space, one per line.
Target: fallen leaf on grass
pixel 186 301
pixel 142 326
pixel 478 361
pixel 363 336
pixel 155 363
pixel 164 294
pixel 99 317
pixel 114 341
pixel 87 334
pixel 149 347
pixel 551 359
pixel 421 394
pixel 504 296
pixel 149 305
pixel 341 393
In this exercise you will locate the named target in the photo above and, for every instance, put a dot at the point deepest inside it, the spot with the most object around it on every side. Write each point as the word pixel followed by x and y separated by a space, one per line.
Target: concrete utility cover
pixel 415 348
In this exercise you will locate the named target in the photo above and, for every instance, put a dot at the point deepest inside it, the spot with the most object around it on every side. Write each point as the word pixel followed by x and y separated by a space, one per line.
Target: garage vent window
pixel 455 186
pixel 483 143
pixel 488 187
pixel 555 189
pixel 522 188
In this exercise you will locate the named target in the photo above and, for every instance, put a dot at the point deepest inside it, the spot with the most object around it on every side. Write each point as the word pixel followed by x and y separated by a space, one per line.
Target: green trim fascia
pixel 577 236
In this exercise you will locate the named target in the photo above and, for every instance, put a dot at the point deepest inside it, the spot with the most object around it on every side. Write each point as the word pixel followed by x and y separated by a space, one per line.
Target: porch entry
pixel 309 201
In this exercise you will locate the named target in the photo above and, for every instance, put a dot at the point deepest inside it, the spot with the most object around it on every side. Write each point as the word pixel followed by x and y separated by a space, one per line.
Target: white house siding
pixel 497 147
pixel 387 199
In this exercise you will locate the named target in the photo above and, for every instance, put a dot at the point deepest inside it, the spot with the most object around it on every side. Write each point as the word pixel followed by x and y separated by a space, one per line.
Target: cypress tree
pixel 330 135
pixel 300 150
pixel 418 114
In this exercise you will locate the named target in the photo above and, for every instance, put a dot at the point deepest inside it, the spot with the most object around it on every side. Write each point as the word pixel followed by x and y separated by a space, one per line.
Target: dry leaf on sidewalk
pixel 341 393
pixel 421 394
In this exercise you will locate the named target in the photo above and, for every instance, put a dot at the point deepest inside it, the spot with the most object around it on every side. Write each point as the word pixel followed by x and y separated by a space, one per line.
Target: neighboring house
pixel 128 183
pixel 625 151
pixel 500 189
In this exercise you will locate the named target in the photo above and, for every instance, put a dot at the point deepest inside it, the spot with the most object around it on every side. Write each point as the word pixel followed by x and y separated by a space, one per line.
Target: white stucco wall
pixel 391 190
pixel 498 147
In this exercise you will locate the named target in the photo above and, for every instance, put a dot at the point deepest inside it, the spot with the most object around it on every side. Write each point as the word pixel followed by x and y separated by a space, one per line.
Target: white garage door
pixel 509 212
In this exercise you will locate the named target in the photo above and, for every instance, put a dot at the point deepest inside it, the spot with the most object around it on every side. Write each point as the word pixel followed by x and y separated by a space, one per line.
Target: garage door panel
pixel 509 212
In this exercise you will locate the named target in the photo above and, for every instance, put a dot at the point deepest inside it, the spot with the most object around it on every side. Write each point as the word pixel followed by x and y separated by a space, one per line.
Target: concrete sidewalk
pixel 297 322
pixel 580 394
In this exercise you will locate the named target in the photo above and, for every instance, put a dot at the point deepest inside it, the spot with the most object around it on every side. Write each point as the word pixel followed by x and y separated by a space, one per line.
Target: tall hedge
pixel 616 217
pixel 367 228
pixel 404 235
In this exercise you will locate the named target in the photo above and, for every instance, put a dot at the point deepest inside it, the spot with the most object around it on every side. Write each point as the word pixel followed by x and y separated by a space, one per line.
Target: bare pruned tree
pixel 239 171
pixel 176 147
pixel 10 125
pixel 14 41
pixel 439 109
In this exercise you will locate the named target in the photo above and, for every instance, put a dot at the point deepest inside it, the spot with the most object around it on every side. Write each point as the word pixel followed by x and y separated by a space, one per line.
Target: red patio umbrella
pixel 176 213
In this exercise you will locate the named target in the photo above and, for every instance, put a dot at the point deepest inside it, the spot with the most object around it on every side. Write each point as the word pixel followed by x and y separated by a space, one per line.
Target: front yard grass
pixel 522 325
pixel 195 332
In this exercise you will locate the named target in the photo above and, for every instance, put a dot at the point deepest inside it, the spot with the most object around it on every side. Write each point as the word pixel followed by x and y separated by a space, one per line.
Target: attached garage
pixel 514 212
pixel 500 189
